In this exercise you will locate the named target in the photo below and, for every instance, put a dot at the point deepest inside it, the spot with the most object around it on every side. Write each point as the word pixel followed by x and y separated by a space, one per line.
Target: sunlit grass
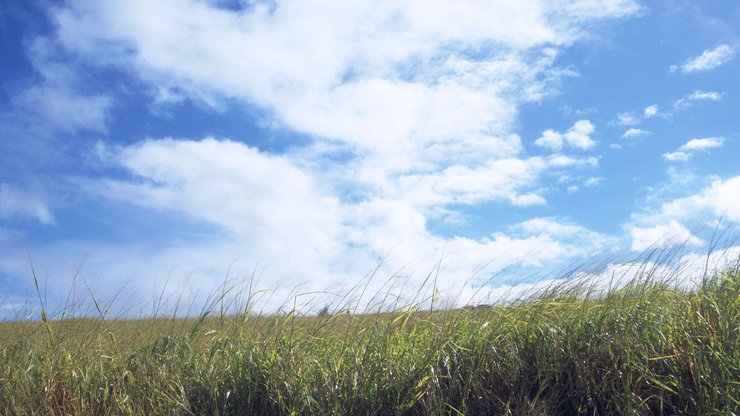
pixel 646 348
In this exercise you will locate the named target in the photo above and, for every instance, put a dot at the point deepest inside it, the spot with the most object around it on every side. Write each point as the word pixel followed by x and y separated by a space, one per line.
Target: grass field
pixel 647 348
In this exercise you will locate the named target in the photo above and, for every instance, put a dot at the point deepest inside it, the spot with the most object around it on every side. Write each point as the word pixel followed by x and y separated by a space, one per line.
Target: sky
pixel 169 148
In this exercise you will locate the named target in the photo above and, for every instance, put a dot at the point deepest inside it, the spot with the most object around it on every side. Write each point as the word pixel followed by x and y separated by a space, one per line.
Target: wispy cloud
pixel 562 161
pixel 697 95
pixel 15 202
pixel 58 101
pixel 708 60
pixel 627 119
pixel 633 132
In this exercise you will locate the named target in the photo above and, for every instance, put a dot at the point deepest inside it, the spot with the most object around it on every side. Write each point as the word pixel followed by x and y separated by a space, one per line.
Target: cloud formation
pixel 697 95
pixel 633 132
pixel 333 71
pixel 718 200
pixel 627 119
pixel 15 202
pixel 396 120
pixel 651 111
pixel 687 150
pixel 708 60
pixel 266 206
pixel 662 235
pixel 58 101
pixel 578 136
pixel 421 110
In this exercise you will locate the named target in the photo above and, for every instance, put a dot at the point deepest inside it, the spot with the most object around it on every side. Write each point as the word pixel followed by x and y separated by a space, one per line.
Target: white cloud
pixel 651 111
pixel 550 139
pixel 578 136
pixel 627 119
pixel 15 202
pixel 503 179
pixel 393 81
pixel 584 241
pixel 593 181
pixel 708 60
pixel 528 200
pixel 723 198
pixel 687 150
pixel 549 226
pixel 719 199
pixel 330 69
pixel 425 108
pixel 677 156
pixel 662 235
pixel 705 95
pixel 702 144
pixel 235 186
pixel 58 100
pixel 64 109
pixel 697 95
pixel 267 207
pixel 562 161
pixel 631 133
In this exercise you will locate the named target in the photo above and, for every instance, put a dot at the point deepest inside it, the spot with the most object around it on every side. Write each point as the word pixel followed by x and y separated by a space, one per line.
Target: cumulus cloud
pixel 702 144
pixel 651 111
pixel 505 179
pixel 565 232
pixel 719 199
pixel 687 150
pixel 578 136
pixel 267 206
pixel 394 84
pixel 247 192
pixel 677 156
pixel 394 81
pixel 662 235
pixel 708 60
pixel 330 71
pixel 424 109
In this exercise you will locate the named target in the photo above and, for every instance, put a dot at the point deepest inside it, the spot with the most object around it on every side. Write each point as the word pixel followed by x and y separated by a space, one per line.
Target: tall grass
pixel 645 348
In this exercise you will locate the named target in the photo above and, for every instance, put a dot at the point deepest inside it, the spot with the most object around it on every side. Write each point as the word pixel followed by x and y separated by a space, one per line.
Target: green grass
pixel 644 349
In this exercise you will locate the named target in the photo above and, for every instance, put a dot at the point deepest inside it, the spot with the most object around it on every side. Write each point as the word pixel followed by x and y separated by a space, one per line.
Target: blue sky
pixel 154 147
